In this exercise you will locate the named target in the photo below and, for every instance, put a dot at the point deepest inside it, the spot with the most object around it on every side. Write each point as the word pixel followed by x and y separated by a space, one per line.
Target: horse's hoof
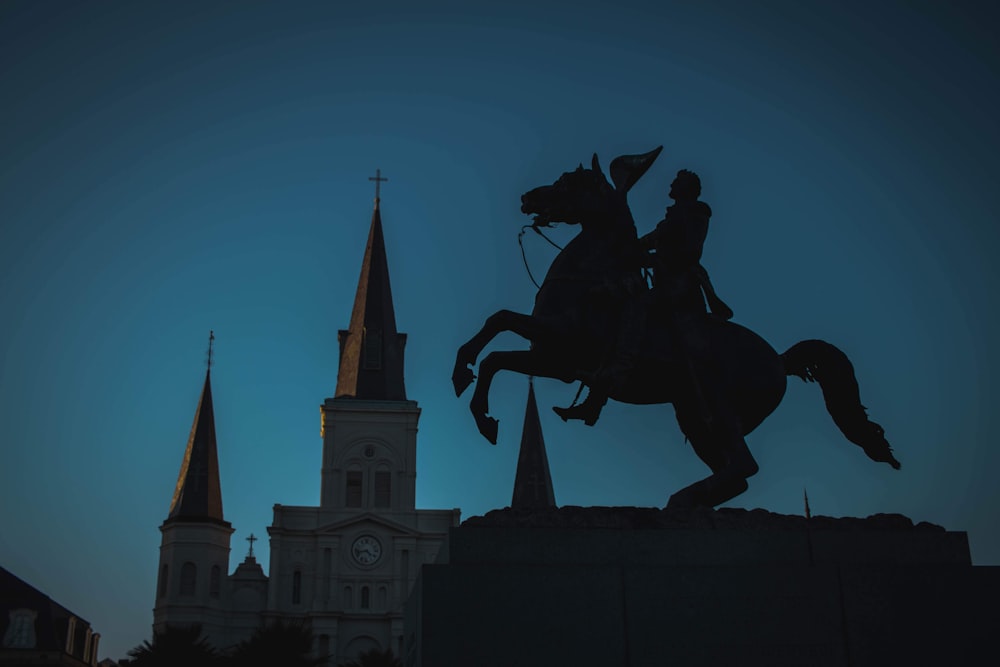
pixel 461 378
pixel 682 500
pixel 489 427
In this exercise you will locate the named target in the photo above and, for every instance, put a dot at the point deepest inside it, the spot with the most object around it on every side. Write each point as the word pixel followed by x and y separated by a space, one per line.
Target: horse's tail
pixel 818 361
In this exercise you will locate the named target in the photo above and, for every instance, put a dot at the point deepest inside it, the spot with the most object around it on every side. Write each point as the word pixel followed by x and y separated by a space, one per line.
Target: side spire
pixel 371 350
pixel 533 482
pixel 198 494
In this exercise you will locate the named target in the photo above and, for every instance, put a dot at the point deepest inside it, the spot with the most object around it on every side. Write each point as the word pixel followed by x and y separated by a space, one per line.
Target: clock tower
pixel 347 566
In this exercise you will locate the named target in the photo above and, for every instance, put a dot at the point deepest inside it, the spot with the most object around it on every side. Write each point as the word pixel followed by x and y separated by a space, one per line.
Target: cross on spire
pixel 378 181
pixel 211 339
pixel 251 540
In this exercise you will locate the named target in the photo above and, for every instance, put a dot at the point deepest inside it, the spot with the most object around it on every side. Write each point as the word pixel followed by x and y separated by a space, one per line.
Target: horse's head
pixel 585 196
pixel 577 197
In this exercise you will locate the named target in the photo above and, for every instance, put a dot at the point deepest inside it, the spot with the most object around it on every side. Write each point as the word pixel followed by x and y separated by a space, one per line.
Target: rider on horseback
pixel 590 313
pixel 679 279
pixel 679 282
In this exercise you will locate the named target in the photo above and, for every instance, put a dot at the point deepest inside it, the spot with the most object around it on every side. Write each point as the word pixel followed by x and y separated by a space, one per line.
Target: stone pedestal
pixel 633 586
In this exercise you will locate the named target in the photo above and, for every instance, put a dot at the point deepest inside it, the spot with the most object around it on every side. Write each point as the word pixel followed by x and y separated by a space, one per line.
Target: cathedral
pixel 346 567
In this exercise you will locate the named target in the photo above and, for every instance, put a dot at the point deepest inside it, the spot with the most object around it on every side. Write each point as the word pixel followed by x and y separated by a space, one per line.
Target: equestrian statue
pixel 596 320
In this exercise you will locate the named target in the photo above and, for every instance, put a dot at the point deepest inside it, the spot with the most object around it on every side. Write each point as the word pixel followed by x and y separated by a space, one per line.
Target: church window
pixel 372 350
pixel 383 488
pixel 383 597
pixel 327 564
pixel 214 581
pixel 354 492
pixel 348 597
pixel 365 597
pixel 162 587
pixel 297 587
pixel 189 575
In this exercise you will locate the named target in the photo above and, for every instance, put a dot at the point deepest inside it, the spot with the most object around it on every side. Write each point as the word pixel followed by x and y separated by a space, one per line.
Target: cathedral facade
pixel 346 567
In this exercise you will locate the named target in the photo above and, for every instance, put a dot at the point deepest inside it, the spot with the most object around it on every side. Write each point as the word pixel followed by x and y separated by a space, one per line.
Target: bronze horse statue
pixel 726 384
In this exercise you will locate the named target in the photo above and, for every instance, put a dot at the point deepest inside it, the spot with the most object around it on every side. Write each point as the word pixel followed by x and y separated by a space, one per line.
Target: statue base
pixel 636 586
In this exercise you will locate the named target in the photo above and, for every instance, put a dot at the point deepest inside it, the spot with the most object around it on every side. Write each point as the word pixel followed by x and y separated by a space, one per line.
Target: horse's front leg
pixel 526 362
pixel 523 325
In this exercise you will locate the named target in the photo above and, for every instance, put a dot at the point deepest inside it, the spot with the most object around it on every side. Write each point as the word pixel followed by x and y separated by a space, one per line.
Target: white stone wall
pixel 314 573
pixel 205 545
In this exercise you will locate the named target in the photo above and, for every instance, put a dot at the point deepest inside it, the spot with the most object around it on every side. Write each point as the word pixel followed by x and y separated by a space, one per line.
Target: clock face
pixel 366 550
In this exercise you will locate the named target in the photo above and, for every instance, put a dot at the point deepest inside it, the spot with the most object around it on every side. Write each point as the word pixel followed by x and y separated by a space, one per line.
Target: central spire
pixel 371 350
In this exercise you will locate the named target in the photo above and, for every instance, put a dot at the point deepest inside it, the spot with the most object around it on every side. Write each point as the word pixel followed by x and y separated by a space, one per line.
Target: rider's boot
pixel 611 376
pixel 607 379
pixel 590 410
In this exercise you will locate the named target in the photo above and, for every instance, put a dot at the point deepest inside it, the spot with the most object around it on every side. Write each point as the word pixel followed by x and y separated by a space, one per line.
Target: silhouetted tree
pixel 174 647
pixel 375 658
pixel 277 645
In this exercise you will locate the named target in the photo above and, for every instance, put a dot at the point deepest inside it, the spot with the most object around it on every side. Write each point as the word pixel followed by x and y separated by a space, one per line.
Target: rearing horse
pixel 722 389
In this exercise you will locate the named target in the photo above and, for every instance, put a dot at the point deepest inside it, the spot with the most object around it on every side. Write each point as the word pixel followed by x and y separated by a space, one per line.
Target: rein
pixel 524 258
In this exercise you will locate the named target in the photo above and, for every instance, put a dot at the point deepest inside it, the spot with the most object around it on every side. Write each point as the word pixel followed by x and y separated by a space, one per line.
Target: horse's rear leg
pixel 523 325
pixel 722 447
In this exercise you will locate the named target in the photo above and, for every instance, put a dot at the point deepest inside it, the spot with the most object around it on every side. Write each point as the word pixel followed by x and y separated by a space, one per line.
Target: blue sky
pixel 171 168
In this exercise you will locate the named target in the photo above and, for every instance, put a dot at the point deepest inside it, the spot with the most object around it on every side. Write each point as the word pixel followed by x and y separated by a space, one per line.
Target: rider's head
pixel 686 187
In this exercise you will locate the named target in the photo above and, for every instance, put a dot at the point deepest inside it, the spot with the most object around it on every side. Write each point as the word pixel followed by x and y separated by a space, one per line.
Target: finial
pixel 805 496
pixel 378 181
pixel 211 339
pixel 251 540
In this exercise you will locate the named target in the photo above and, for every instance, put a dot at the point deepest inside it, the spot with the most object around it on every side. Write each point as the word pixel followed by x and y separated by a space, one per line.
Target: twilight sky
pixel 171 168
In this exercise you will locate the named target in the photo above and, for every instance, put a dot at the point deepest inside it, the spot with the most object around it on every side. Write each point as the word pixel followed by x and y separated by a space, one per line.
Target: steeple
pixel 371 350
pixel 532 483
pixel 198 495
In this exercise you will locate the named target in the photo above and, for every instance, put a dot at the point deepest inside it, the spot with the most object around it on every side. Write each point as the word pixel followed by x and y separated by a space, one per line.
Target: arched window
pixel 214 581
pixel 354 489
pixel 365 597
pixel 348 597
pixel 297 587
pixel 21 630
pixel 162 587
pixel 189 576
pixel 383 598
pixel 383 488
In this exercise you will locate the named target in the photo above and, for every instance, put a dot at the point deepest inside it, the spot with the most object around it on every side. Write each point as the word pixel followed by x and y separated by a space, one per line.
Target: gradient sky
pixel 171 168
